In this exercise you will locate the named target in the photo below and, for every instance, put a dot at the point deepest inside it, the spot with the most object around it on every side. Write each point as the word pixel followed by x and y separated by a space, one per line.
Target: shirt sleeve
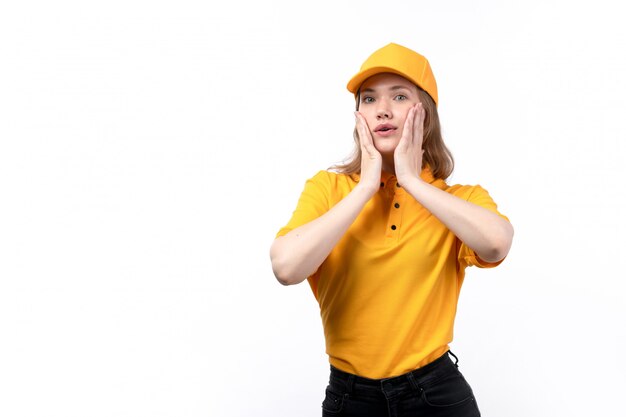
pixel 314 202
pixel 467 256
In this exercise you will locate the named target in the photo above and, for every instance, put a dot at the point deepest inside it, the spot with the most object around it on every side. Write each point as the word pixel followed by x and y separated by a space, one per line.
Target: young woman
pixel 384 242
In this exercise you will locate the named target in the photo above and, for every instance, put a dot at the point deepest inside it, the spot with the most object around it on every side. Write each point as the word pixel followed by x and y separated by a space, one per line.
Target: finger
pixel 415 132
pixel 418 125
pixel 407 132
pixel 365 138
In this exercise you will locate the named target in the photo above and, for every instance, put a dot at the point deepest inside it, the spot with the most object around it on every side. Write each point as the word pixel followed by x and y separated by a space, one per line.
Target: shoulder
pixel 475 194
pixel 334 180
pixel 458 190
pixel 467 192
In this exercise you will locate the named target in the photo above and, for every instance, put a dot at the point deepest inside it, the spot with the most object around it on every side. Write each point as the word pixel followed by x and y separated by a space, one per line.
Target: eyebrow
pixel 394 88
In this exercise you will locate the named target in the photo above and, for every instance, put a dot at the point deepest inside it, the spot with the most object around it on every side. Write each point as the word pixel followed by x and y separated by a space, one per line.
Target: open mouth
pixel 384 128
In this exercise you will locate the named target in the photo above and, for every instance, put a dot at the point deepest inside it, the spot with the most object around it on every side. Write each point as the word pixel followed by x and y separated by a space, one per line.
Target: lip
pixel 385 129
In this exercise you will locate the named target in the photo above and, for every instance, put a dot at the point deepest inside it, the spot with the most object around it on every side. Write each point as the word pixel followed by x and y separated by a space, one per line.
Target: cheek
pixel 370 119
pixel 401 123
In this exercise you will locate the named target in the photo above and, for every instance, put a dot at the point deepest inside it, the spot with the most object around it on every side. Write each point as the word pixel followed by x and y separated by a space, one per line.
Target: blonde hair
pixel 436 155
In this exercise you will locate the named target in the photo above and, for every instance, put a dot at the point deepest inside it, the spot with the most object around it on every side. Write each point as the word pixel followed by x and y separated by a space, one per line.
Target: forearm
pixel 300 252
pixel 485 232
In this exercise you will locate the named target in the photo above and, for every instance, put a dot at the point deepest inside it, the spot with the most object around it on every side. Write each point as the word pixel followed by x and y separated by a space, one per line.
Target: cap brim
pixel 355 82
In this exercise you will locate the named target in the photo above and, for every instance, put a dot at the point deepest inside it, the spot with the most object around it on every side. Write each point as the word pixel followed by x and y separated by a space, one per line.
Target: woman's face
pixel 384 102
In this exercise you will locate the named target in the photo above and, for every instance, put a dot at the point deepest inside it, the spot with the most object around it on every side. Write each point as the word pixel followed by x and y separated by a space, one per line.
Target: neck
pixel 389 165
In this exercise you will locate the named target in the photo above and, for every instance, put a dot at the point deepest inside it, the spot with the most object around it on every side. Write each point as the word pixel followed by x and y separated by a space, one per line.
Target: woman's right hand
pixel 371 160
pixel 299 253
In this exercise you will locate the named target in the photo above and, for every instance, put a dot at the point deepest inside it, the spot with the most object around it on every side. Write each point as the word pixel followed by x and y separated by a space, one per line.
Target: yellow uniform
pixel 388 291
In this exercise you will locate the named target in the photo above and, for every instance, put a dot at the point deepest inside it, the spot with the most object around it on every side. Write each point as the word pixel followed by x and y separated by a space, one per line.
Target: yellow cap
pixel 399 60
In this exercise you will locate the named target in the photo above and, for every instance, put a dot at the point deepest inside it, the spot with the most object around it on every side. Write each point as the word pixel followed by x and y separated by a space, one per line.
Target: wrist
pixel 408 180
pixel 412 184
pixel 368 189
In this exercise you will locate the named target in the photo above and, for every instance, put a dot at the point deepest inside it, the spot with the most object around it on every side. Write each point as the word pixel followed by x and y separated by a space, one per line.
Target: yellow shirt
pixel 388 291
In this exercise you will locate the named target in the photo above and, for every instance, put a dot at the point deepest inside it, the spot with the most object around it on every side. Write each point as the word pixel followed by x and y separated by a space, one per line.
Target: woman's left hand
pixel 408 154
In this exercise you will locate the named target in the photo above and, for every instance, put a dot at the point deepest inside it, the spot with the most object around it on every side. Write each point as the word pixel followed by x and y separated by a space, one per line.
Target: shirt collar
pixel 426 175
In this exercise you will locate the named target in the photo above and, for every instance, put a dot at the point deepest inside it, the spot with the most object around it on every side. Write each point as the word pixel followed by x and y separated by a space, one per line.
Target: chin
pixel 386 148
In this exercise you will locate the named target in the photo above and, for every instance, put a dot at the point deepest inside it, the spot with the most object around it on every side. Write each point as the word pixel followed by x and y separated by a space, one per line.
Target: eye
pixel 401 97
pixel 367 99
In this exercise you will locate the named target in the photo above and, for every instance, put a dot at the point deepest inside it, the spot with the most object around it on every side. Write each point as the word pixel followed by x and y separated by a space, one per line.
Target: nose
pixel 383 111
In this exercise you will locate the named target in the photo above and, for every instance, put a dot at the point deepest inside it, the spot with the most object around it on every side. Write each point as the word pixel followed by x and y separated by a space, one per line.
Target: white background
pixel 150 150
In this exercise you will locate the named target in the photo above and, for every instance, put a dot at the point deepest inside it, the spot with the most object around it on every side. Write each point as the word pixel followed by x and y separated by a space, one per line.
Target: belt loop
pixel 412 381
pixel 350 384
pixel 456 360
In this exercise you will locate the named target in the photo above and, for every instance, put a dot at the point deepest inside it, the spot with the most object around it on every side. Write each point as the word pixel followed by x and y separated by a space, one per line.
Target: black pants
pixel 437 389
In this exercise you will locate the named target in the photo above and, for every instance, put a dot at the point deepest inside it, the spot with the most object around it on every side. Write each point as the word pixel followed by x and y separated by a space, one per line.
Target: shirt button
pixel 393 227
pixel 396 205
